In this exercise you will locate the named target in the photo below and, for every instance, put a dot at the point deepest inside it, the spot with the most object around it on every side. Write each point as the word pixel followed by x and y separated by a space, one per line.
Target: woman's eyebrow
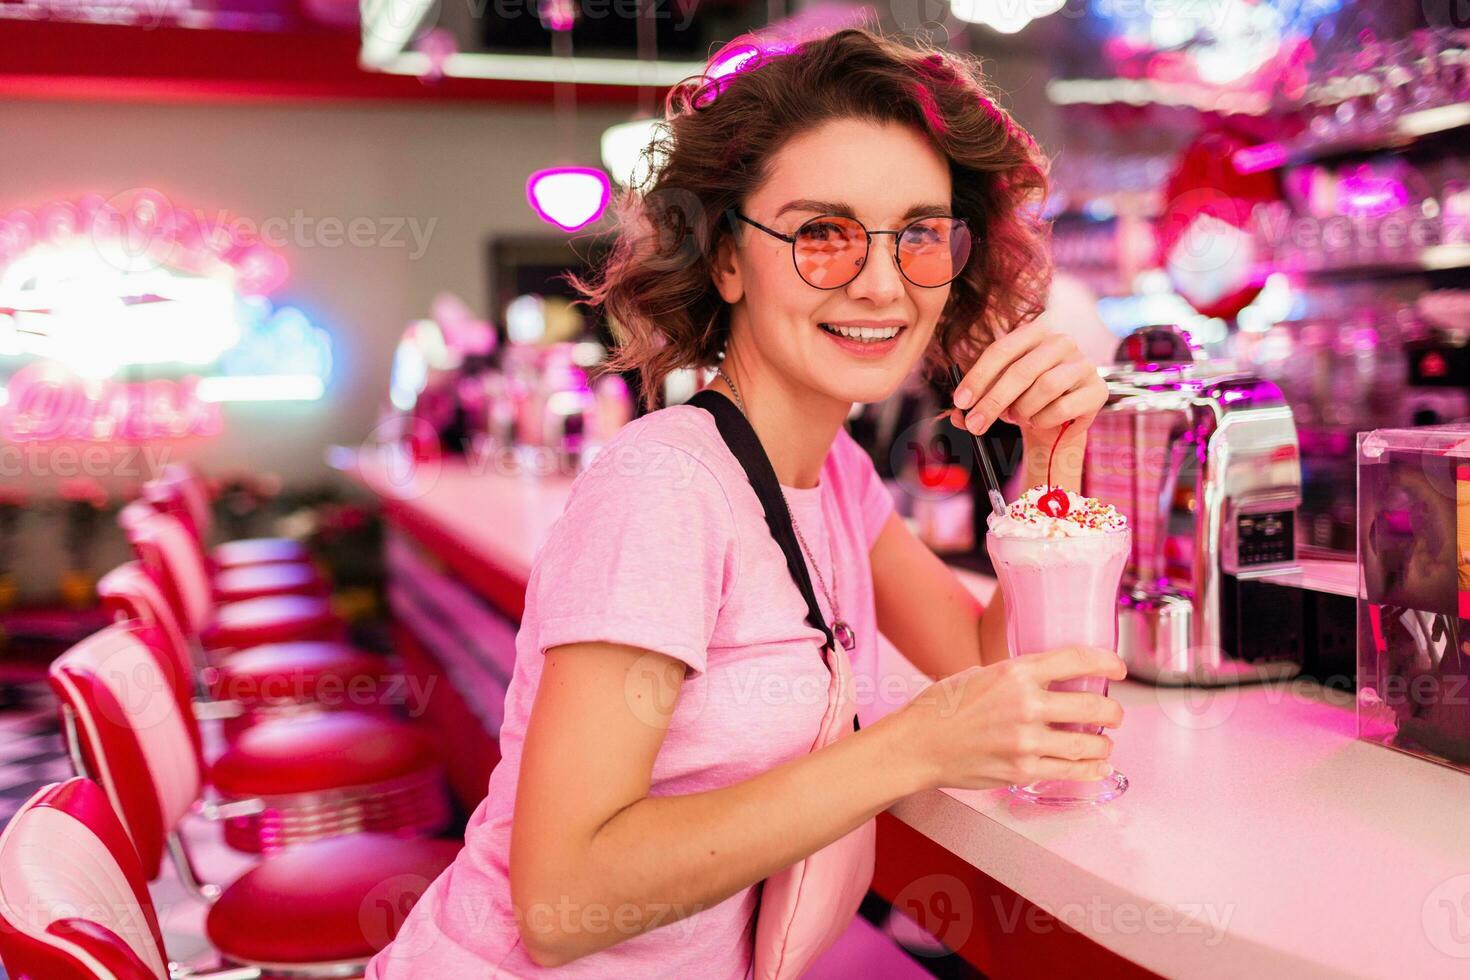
pixel 837 207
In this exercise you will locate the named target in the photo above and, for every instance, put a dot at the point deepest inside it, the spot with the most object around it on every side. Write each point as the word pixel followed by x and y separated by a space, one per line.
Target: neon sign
pixel 92 286
pixel 46 403
pixel 71 305
pixel 262 15
pixel 141 230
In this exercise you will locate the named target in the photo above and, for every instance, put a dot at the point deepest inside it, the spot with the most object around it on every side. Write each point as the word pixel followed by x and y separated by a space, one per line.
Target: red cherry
pixel 1054 503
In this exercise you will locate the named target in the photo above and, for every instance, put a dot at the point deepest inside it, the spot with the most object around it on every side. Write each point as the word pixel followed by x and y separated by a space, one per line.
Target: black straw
pixel 987 466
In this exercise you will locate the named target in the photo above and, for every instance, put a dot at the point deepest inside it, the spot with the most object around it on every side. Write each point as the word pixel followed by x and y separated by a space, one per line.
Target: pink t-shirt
pixel 664 545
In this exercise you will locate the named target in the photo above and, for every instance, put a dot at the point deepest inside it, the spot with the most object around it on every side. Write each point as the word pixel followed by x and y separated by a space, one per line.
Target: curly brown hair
pixel 717 147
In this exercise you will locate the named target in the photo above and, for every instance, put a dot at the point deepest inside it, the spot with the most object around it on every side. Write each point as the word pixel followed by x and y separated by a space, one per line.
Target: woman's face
pixel 878 172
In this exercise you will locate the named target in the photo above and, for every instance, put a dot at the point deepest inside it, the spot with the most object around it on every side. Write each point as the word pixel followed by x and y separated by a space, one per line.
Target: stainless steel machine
pixel 1204 461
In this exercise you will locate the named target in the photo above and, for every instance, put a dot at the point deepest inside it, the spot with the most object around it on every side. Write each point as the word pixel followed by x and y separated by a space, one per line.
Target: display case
pixel 1414 604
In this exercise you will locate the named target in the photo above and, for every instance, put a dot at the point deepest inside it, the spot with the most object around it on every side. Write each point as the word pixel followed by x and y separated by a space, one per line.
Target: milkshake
pixel 1059 557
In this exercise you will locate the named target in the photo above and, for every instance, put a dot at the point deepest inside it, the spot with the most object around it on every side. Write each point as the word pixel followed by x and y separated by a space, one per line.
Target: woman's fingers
pixel 1076 746
pixel 1066 378
pixel 994 360
pixel 1067 662
pixel 1086 770
pixel 1060 754
pixel 1079 404
pixel 1017 377
pixel 1081 708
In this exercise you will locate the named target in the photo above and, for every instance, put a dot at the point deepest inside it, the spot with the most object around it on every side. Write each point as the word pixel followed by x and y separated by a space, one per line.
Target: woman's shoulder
pixel 679 439
pixel 692 431
pixel 684 426
pixel 664 457
pixel 687 430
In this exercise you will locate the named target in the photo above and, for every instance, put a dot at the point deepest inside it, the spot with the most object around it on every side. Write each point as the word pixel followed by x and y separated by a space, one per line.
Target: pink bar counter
pixel 1258 838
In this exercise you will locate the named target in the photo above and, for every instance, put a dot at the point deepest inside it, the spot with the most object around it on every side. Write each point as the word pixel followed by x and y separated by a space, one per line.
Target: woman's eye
pixel 921 235
pixel 819 232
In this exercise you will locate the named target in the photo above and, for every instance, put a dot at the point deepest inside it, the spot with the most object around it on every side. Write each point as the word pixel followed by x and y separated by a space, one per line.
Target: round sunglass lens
pixel 830 251
pixel 933 251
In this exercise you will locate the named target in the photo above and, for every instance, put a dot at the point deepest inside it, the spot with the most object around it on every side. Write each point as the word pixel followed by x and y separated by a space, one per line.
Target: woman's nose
pixel 878 277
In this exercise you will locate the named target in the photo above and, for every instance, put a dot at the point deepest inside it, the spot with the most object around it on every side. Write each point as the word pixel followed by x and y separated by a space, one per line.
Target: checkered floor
pixel 31 752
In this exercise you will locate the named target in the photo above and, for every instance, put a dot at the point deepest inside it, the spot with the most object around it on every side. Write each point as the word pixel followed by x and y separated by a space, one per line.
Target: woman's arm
pixel 595 860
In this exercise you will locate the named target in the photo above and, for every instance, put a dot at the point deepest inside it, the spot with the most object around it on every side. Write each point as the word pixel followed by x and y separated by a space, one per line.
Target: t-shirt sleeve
pixel 644 554
pixel 875 501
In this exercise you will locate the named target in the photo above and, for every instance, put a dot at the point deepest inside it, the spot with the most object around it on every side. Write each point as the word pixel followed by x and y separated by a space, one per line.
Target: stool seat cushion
pixel 253 581
pixel 258 551
pixel 317 752
pixel 271 619
pixel 330 900
pixel 298 672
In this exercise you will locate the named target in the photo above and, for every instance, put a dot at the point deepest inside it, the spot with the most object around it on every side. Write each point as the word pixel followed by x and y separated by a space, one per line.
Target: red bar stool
pixel 231 584
pixel 74 902
pixel 258 581
pixel 126 724
pixel 181 487
pixel 171 556
pixel 246 687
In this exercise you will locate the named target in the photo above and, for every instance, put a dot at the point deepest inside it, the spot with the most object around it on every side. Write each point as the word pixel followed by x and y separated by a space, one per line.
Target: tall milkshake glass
pixel 1062 591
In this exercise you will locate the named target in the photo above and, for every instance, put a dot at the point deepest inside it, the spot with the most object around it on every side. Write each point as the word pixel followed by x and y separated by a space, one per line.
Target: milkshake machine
pixel 1203 461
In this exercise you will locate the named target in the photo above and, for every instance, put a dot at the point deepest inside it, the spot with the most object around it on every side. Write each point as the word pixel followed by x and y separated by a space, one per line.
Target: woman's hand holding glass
pixel 991 726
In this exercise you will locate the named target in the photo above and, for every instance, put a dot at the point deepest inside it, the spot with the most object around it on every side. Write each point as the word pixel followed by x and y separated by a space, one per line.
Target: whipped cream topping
pixel 1085 517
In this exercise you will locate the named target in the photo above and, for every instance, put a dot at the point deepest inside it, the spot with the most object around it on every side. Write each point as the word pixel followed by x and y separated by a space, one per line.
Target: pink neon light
pixel 558 15
pixel 439 45
pixel 259 270
pixel 143 227
pixel 47 403
pixel 569 197
pixel 736 57
pixel 1254 159
pixel 1368 195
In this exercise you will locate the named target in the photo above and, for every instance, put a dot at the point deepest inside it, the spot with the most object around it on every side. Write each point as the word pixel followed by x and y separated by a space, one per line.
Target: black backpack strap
pixel 743 442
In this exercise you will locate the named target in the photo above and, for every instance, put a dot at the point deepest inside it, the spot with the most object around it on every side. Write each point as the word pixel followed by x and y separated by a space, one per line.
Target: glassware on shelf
pixel 1364 93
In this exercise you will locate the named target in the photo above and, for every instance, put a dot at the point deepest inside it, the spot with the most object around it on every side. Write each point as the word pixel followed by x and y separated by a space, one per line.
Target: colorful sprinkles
pixel 1087 513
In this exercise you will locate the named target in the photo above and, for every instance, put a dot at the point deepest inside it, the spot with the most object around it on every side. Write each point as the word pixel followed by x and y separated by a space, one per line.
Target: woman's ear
pixel 725 271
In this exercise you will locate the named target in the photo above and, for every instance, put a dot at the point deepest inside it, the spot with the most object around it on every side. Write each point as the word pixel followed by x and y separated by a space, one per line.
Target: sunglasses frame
pixel 898 263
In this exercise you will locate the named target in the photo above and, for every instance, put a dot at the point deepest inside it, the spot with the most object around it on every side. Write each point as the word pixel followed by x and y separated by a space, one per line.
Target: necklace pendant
pixel 844 634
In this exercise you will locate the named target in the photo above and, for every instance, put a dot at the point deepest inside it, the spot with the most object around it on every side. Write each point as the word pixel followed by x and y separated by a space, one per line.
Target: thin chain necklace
pixel 840 629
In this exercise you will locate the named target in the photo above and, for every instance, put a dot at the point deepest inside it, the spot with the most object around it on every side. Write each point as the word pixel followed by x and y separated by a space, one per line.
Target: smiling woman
pixel 679 766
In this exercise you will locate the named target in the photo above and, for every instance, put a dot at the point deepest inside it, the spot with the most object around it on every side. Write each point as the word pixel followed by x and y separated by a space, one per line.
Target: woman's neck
pixel 796 428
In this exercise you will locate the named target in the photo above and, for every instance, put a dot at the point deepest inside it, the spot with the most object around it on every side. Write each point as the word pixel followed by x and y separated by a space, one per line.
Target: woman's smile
pixel 865 339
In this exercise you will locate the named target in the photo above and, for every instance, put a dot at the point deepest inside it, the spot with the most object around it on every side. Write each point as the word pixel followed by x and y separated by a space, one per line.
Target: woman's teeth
pixel 863 333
